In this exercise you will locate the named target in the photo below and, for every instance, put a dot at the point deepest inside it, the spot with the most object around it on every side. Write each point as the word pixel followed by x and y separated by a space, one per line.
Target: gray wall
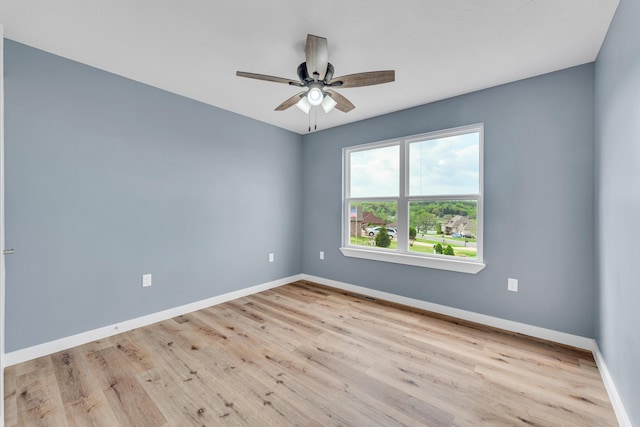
pixel 539 222
pixel 108 179
pixel 618 203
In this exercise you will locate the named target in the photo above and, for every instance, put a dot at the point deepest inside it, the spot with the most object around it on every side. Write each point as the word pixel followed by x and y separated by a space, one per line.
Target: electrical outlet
pixel 512 285
pixel 271 258
pixel 146 280
pixel 321 254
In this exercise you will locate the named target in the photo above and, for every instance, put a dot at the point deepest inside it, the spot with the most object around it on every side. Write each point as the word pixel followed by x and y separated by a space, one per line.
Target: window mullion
pixel 403 208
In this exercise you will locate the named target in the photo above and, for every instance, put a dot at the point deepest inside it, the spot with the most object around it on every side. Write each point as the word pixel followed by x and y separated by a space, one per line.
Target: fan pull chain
pixel 315 118
pixel 309 117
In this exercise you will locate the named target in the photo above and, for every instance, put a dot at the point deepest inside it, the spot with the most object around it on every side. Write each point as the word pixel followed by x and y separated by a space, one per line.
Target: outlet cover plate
pixel 146 280
pixel 512 285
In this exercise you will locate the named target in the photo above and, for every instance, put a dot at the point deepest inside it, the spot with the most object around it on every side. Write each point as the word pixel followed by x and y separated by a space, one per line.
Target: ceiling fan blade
pixel 268 78
pixel 291 101
pixel 317 55
pixel 364 79
pixel 344 104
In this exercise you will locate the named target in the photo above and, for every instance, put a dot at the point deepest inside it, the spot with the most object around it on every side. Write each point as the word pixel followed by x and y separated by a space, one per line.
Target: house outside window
pixel 416 200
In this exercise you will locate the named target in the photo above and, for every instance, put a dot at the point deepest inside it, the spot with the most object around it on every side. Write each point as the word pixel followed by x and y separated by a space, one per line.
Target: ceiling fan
pixel 316 75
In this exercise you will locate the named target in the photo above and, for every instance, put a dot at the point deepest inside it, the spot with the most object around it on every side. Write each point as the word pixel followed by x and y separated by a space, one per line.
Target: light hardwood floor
pixel 308 355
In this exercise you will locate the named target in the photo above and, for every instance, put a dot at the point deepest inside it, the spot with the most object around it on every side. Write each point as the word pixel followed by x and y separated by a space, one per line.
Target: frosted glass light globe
pixel 315 96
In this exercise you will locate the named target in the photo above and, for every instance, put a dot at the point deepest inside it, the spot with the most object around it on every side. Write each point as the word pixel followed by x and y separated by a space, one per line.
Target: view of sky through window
pixel 448 165
pixel 375 173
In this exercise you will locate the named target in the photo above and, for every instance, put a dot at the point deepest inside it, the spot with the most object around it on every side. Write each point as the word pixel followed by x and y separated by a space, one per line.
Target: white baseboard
pixel 612 391
pixel 51 347
pixel 509 325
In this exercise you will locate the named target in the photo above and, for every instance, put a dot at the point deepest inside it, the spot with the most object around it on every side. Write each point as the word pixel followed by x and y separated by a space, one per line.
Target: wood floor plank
pixel 84 403
pixel 123 392
pixel 38 397
pixel 10 401
pixel 309 355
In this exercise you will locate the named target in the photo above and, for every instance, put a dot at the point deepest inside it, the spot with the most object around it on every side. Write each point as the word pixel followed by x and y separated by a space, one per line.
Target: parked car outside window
pixel 373 231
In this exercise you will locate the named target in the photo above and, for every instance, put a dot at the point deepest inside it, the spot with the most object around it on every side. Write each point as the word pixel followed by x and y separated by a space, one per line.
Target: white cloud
pixel 445 166
pixel 374 173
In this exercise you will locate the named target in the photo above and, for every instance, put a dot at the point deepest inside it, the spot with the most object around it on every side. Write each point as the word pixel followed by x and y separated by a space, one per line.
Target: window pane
pixel 445 227
pixel 366 220
pixel 375 172
pixel 442 166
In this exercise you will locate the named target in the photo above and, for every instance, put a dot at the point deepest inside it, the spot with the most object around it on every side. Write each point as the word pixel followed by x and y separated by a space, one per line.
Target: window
pixel 416 200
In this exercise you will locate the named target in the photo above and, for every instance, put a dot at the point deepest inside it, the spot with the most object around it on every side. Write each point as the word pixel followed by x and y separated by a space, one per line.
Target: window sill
pixel 471 267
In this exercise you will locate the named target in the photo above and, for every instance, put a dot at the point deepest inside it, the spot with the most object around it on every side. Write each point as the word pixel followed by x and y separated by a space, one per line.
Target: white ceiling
pixel 439 48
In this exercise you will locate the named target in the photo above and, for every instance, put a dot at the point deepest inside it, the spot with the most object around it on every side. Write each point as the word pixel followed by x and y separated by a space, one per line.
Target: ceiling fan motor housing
pixel 304 77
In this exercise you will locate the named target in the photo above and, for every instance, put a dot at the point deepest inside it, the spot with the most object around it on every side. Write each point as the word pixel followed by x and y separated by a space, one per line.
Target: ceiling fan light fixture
pixel 304 105
pixel 328 103
pixel 315 96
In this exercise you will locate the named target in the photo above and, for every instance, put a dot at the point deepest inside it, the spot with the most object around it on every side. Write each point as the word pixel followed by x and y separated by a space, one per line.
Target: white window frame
pixel 402 254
